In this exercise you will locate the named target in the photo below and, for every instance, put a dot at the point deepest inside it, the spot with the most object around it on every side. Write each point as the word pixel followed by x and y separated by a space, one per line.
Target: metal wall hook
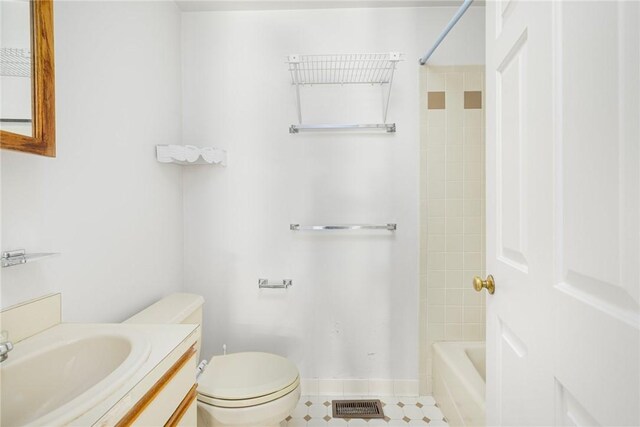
pixel 265 284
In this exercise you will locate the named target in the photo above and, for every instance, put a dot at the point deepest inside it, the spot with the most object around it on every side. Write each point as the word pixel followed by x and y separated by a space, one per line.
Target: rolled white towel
pixel 177 152
pixel 214 155
pixel 206 153
pixel 191 153
pixel 169 153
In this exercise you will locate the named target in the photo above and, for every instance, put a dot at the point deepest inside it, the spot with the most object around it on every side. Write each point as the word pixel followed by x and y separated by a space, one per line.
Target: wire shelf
pixel 15 62
pixel 354 68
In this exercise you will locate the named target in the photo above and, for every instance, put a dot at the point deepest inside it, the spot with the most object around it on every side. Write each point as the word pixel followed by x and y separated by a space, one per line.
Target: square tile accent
pixel 473 100
pixel 435 100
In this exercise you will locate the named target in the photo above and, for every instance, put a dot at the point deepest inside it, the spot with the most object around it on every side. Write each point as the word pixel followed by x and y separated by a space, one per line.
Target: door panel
pixel 569 412
pixel 511 202
pixel 597 339
pixel 519 222
pixel 563 213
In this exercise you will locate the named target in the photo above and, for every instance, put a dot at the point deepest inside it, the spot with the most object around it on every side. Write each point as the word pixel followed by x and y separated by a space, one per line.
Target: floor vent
pixel 357 409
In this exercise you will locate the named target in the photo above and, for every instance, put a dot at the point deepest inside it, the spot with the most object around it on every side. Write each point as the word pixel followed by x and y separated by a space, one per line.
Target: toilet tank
pixel 173 309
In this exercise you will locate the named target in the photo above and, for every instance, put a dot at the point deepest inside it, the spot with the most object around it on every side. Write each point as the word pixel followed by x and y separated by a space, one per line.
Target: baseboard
pixel 358 387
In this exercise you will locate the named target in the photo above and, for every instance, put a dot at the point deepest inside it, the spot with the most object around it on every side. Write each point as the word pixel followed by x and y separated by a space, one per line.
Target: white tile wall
pixel 452 201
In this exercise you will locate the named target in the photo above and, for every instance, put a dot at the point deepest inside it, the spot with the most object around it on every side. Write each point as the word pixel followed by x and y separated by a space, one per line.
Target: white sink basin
pixel 54 377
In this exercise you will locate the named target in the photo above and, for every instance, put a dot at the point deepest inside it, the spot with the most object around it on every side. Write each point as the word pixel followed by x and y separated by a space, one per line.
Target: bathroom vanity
pixel 95 374
pixel 166 395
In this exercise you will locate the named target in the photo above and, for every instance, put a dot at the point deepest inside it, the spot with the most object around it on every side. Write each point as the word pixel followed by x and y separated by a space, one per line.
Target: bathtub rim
pixel 453 354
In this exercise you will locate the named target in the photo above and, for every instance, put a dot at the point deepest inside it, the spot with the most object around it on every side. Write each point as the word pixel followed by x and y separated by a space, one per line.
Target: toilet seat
pixel 246 379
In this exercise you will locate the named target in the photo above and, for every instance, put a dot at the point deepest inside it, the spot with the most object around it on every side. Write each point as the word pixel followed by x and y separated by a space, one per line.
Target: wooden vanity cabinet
pixel 171 401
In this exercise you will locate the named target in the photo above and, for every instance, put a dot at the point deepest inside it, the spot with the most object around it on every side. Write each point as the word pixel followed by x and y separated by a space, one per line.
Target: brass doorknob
pixel 489 284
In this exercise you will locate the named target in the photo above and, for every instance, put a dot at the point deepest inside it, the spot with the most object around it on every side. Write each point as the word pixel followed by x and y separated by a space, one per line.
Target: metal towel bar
pixel 389 127
pixel 298 227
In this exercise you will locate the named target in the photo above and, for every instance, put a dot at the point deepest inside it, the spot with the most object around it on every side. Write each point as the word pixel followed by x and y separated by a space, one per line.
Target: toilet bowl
pixel 249 389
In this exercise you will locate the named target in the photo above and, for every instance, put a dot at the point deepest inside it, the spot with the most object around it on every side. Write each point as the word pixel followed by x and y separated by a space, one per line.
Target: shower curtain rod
pixel 448 28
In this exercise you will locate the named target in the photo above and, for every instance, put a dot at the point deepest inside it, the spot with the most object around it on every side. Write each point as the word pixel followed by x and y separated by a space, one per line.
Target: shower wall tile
pixel 436 82
pixel 472 100
pixel 454 106
pixel 452 203
pixel 436 208
pixel 454 81
pixel 437 118
pixel 435 279
pixel 473 118
pixel 473 80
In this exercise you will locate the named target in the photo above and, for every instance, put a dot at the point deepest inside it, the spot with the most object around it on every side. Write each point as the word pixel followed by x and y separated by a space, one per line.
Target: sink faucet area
pixel 62 372
pixel 5 346
pixel 77 373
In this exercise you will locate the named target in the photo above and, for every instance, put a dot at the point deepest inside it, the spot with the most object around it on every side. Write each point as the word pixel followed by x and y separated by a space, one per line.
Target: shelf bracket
pixel 20 256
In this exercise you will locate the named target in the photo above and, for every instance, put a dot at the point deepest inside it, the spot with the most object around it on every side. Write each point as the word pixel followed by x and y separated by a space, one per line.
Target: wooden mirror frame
pixel 43 139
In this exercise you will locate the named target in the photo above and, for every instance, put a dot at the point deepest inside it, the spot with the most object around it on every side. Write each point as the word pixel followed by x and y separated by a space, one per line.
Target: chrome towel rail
pixel 298 227
pixel 389 127
pixel 284 284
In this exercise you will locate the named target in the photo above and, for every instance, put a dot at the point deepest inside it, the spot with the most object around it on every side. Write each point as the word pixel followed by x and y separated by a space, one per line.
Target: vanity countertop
pixel 147 347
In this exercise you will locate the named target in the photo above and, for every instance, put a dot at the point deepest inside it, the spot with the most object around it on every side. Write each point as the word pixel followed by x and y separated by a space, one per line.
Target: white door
pixel 563 213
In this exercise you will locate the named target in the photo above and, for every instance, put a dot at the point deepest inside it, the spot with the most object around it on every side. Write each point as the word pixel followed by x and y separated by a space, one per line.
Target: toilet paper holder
pixel 283 284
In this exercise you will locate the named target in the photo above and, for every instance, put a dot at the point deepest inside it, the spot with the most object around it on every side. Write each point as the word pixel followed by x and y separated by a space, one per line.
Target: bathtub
pixel 459 382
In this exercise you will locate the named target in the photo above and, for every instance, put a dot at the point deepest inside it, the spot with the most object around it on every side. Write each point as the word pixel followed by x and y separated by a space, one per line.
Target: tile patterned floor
pixel 315 411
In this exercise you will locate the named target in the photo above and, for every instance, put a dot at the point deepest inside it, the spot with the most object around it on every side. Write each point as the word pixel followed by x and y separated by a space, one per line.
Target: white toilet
pixel 240 389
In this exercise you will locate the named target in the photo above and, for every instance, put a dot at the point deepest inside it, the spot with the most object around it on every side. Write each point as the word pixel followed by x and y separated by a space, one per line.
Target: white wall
pixel 353 309
pixel 116 215
pixel 464 45
pixel 105 203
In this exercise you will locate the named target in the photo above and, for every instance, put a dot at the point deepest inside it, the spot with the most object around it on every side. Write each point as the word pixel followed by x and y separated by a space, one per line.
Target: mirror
pixel 27 115
pixel 15 67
